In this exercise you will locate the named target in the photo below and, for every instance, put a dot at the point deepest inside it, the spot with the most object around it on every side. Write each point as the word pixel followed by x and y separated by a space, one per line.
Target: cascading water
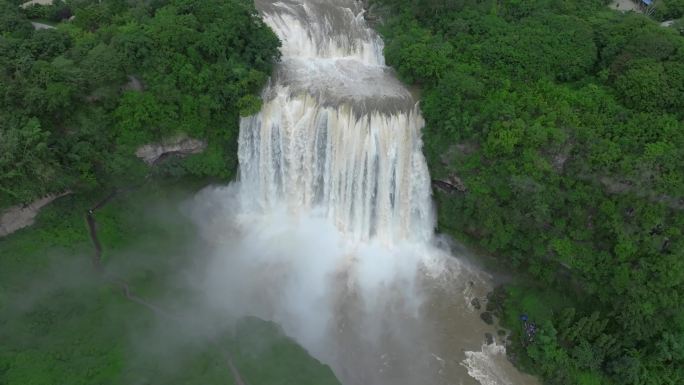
pixel 329 231
pixel 337 131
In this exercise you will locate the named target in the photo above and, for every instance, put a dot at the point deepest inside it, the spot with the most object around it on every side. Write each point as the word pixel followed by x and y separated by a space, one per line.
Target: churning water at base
pixel 329 231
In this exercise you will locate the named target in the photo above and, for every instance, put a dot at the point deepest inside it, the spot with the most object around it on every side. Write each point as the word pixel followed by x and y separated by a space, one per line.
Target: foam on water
pixel 483 367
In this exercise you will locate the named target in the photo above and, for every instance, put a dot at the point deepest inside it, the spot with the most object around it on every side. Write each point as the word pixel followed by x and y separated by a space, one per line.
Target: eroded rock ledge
pixel 180 145
pixel 451 184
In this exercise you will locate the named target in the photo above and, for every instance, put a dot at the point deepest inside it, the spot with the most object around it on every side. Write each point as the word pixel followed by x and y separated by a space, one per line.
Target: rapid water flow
pixel 330 230
pixel 337 131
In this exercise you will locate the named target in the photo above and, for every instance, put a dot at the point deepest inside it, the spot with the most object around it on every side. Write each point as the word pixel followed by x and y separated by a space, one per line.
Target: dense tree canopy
pixel 564 122
pixel 69 116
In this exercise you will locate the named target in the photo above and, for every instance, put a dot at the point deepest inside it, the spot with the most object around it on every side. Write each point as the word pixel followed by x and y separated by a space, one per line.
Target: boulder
pixel 36 2
pixel 487 317
pixel 489 338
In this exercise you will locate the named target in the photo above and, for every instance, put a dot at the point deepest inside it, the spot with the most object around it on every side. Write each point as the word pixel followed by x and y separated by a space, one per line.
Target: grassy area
pixel 61 323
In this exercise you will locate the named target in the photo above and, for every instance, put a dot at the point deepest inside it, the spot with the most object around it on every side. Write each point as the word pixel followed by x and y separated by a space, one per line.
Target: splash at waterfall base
pixel 329 230
pixel 376 313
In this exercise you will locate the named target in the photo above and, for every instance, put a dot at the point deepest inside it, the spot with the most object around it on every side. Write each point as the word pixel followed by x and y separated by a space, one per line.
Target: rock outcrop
pixel 134 84
pixel 451 184
pixel 36 2
pixel 177 146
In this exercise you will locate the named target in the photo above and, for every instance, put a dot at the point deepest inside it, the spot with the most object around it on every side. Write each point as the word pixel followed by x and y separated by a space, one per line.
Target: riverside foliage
pixel 71 113
pixel 562 122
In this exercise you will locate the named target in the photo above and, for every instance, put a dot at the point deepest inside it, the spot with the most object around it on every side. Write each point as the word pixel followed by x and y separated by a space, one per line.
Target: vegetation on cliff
pixel 75 103
pixel 559 125
pixel 76 100
pixel 62 322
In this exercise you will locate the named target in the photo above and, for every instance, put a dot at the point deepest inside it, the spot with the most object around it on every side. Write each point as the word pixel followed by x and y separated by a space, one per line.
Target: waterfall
pixel 329 231
pixel 337 131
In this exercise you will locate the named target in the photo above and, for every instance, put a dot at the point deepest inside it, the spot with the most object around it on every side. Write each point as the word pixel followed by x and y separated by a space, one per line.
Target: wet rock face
pixel 179 146
pixel 451 184
pixel 487 317
pixel 489 338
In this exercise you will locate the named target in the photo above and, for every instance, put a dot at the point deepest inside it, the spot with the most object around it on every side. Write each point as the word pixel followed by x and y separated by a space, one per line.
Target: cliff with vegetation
pixel 78 99
pixel 106 79
pixel 555 135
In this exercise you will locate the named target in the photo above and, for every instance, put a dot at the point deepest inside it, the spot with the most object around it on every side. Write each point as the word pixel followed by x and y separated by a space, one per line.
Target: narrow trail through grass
pixel 125 287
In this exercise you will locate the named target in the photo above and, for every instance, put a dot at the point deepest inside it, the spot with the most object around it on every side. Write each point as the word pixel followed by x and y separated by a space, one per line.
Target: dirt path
pixel 234 371
pixel 20 216
pixel 125 288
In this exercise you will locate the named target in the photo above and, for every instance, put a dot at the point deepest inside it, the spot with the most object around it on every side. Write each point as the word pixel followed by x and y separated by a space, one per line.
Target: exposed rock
pixel 501 333
pixel 442 185
pixel 39 26
pixel 455 181
pixel 36 2
pixel 180 146
pixel 559 161
pixel 476 304
pixel 371 18
pixel 451 184
pixel 20 216
pixel 369 13
pixel 134 84
pixel 487 317
pixel 489 338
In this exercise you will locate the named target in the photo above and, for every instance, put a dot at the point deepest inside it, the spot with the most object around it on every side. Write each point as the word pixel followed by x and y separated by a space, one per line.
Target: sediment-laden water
pixel 330 230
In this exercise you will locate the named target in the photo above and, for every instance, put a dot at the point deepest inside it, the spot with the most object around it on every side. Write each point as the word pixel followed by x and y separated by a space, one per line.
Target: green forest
pixel 554 136
pixel 69 118
pixel 61 323
pixel 559 128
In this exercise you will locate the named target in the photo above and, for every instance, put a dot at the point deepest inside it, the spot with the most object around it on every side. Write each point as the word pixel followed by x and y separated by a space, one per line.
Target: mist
pixel 376 312
pixel 329 230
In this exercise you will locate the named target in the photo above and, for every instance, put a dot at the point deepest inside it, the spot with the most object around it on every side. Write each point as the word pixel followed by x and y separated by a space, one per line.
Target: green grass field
pixel 62 323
